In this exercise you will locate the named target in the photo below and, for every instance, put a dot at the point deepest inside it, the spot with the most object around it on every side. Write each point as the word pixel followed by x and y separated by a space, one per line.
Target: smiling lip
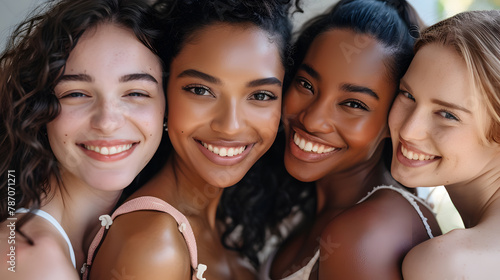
pixel 108 150
pixel 412 157
pixel 304 148
pixel 224 152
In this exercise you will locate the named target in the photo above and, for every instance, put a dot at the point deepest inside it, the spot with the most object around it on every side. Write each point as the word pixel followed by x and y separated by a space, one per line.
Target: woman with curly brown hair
pixel 82 109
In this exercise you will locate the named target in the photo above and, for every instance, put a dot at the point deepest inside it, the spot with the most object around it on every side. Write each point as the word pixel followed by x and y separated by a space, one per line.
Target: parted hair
pixel 474 35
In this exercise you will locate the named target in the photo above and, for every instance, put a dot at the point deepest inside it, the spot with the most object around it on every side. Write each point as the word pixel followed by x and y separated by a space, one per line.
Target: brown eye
pixel 305 84
pixel 263 96
pixel 198 90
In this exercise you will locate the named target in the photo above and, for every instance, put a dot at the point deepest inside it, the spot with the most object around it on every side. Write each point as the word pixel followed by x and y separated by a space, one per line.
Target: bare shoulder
pixel 143 245
pixel 372 237
pixel 47 258
pixel 458 254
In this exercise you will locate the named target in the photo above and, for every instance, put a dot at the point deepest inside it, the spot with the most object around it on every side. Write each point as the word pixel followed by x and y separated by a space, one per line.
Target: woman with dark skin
pixel 82 109
pixel 224 92
pixel 348 65
pixel 445 129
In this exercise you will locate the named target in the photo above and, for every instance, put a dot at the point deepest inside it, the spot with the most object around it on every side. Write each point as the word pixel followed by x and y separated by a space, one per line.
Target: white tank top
pixel 305 272
pixel 56 224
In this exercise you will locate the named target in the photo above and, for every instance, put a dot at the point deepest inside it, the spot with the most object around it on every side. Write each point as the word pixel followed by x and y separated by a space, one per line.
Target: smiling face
pixel 335 111
pixel 112 109
pixel 224 101
pixel 437 122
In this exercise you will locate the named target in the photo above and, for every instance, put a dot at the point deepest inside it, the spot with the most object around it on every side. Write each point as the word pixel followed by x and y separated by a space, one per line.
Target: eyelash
pixel 448 115
pixel 270 96
pixel 406 94
pixel 73 95
pixel 193 88
pixel 304 83
pixel 358 104
pixel 443 112
pixel 137 94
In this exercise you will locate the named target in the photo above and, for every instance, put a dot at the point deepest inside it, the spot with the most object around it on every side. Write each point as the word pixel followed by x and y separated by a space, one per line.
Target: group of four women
pixel 142 141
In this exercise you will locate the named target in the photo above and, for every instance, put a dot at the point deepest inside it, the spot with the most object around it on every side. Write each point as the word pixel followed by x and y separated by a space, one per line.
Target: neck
pixel 188 193
pixel 77 207
pixel 342 190
pixel 474 199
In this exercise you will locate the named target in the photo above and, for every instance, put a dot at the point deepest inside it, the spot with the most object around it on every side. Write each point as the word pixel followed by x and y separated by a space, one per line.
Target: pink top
pixel 156 204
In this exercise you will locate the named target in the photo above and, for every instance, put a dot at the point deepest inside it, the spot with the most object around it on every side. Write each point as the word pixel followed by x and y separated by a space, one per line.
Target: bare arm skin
pixel 370 240
pixel 48 258
pixel 144 245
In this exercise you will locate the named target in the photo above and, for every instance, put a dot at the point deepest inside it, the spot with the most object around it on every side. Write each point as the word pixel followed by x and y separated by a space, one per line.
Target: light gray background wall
pixel 14 11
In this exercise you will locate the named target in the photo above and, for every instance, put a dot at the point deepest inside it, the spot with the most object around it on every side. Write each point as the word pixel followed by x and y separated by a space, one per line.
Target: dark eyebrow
pixel 265 81
pixel 309 70
pixel 201 75
pixel 78 78
pixel 450 105
pixel 137 76
pixel 361 89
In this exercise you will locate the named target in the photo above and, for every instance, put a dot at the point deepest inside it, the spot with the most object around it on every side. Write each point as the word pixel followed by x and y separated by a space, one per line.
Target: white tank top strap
pixel 56 224
pixel 302 274
pixel 411 199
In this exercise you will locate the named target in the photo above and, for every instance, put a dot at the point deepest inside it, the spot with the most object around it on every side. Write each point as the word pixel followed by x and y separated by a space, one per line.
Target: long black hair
pixel 267 194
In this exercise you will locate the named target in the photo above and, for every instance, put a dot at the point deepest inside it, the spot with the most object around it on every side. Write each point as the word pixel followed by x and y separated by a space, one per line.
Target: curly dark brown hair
pixel 30 67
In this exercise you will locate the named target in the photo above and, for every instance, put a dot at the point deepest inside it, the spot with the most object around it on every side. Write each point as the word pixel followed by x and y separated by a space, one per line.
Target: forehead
pixel 344 56
pixel 439 72
pixel 348 48
pixel 239 47
pixel 111 49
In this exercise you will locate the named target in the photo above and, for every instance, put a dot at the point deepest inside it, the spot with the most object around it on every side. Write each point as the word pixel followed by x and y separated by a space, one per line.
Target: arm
pixel 142 245
pixel 47 259
pixel 368 241
pixel 443 257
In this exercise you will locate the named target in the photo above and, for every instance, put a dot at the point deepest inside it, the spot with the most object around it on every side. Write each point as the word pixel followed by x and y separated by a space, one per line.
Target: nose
pixel 413 124
pixel 107 116
pixel 317 117
pixel 228 118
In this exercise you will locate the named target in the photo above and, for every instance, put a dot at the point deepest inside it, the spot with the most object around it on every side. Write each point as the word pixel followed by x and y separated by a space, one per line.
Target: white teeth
pixel 108 150
pixel 302 144
pixel 223 151
pixel 415 156
pixel 310 146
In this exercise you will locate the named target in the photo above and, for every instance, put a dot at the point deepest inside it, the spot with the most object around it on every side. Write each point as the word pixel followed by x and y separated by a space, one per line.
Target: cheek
pixel 396 116
pixel 294 103
pixel 365 131
pixel 266 121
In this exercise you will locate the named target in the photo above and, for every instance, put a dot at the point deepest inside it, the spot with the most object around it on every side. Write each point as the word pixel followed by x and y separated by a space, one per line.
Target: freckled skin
pixel 440 113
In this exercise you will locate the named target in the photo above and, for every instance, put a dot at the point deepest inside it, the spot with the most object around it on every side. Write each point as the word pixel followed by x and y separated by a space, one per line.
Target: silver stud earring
pixel 165 127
